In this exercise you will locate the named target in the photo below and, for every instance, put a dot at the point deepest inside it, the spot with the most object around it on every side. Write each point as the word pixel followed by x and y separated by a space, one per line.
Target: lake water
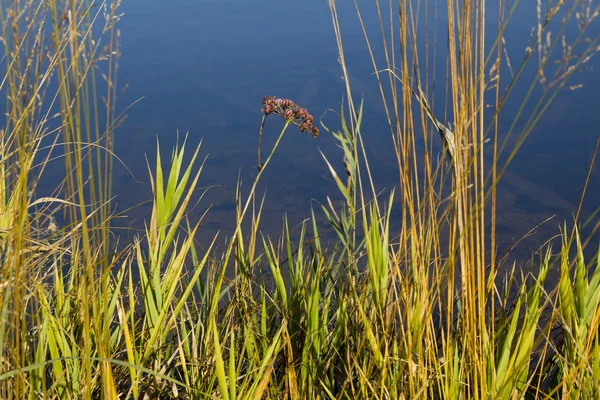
pixel 203 66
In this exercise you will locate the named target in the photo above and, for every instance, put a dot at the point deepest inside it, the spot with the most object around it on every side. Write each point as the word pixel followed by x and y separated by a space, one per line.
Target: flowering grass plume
pixel 291 112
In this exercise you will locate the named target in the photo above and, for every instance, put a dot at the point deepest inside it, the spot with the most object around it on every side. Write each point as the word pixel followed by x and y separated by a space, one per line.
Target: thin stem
pixel 262 125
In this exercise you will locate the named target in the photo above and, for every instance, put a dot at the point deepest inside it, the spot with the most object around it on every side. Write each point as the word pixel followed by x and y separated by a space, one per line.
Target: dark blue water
pixel 203 66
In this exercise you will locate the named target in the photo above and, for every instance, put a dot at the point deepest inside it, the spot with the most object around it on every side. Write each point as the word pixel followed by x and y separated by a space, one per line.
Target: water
pixel 203 67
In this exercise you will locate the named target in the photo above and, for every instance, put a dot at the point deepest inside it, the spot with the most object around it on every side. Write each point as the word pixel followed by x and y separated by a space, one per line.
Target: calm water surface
pixel 203 66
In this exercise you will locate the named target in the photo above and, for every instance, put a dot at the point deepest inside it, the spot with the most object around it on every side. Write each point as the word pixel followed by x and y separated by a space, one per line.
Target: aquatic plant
pixel 291 112
pixel 420 314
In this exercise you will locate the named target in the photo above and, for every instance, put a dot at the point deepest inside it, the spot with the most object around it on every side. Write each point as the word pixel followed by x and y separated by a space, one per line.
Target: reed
pixel 426 312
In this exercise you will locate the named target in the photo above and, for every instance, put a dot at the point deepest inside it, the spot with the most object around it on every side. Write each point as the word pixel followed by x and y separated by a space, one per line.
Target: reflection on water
pixel 203 67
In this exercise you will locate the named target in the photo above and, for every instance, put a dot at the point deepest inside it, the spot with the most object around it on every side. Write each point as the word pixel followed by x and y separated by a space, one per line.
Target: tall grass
pixel 420 314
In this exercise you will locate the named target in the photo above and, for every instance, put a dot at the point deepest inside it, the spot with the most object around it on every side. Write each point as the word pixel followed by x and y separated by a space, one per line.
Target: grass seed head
pixel 291 112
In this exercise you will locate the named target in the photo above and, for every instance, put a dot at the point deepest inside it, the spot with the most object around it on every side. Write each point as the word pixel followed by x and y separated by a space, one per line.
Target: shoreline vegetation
pixel 426 313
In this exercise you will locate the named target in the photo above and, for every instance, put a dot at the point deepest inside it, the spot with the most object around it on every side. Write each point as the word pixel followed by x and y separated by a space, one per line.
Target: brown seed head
pixel 291 112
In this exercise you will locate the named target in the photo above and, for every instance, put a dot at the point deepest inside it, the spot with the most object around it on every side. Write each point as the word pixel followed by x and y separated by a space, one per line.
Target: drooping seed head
pixel 291 112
